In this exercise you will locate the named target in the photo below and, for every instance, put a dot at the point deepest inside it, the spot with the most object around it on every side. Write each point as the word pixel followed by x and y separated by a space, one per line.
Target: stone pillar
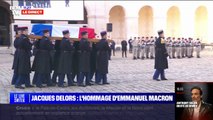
pixel 159 19
pixel 187 14
pixel 210 24
pixel 131 26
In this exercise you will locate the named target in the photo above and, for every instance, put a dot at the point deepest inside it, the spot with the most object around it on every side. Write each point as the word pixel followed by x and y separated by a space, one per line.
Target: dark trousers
pixel 14 79
pixel 101 76
pixel 75 75
pixel 113 51
pixel 61 79
pixel 35 77
pixel 83 75
pixel 23 78
pixel 91 75
pixel 43 77
pixel 159 72
pixel 124 53
pixel 54 77
pixel 130 49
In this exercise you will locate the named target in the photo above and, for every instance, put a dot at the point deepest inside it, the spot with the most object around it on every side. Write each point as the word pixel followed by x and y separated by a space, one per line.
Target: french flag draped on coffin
pixel 56 30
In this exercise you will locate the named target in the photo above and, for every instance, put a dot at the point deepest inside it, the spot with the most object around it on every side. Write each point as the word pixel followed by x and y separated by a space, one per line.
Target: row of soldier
pixel 82 60
pixel 142 47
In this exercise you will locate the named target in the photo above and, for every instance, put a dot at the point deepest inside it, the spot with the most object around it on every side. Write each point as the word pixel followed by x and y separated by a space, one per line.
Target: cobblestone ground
pixel 125 75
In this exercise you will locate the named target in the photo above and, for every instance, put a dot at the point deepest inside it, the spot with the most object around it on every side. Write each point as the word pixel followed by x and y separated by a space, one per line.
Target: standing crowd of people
pixel 79 61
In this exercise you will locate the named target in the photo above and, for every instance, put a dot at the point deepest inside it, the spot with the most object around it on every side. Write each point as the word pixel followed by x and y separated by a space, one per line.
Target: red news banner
pixel 32 12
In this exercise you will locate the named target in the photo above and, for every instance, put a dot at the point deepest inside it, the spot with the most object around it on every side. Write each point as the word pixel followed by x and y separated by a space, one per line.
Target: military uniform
pixel 56 61
pixel 170 44
pixel 161 61
pixel 124 48
pixel 139 49
pixel 143 45
pixel 178 49
pixel 183 48
pixel 173 49
pixel 102 60
pixel 76 55
pixel 84 61
pixel 130 45
pixel 66 61
pixel 135 48
pixel 147 47
pixel 23 65
pixel 198 48
pixel 152 48
pixel 112 46
pixel 192 47
pixel 43 62
pixel 93 61
pixel 189 49
pixel 15 59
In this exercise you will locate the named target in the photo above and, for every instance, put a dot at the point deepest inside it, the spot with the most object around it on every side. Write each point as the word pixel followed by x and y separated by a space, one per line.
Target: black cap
pixel 103 33
pixel 84 33
pixel 45 31
pixel 160 32
pixel 65 32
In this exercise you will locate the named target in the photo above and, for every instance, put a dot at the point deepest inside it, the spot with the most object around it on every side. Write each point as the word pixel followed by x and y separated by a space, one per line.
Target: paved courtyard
pixel 125 75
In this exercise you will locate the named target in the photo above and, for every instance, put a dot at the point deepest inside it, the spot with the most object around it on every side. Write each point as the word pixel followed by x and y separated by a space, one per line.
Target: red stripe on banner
pixel 91 32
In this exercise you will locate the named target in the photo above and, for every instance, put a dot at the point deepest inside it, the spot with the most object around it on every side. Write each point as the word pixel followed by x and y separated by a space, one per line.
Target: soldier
pixel 93 61
pixel 167 43
pixel 130 45
pixel 15 59
pixel 23 66
pixel 178 48
pixel 192 47
pixel 198 47
pixel 161 54
pixel 124 48
pixel 182 48
pixel 147 47
pixel 56 61
pixel 84 60
pixel 170 48
pixel 189 48
pixel 135 48
pixel 112 46
pixel 43 62
pixel 76 55
pixel 152 48
pixel 35 53
pixel 66 60
pixel 102 59
pixel 173 47
pixel 139 49
pixel 142 45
